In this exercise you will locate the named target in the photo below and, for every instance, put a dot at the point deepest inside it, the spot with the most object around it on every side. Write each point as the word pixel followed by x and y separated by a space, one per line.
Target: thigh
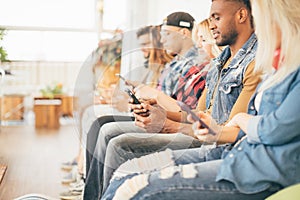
pixel 141 144
pixel 113 129
pixel 193 181
pixel 93 133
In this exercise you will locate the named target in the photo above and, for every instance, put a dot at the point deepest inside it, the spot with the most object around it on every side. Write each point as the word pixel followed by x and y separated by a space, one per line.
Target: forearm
pixel 228 134
pixel 175 127
pixel 177 116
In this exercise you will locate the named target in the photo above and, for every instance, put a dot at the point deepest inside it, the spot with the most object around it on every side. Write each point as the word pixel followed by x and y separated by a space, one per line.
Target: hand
pixel 203 134
pixel 154 122
pixel 139 109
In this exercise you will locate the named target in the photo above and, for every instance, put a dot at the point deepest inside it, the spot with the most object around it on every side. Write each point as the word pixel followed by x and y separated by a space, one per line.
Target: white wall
pixel 145 12
pixel 152 12
pixel 158 10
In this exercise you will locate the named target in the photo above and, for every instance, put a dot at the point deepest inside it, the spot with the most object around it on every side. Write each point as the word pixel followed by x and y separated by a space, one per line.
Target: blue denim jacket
pixel 231 79
pixel 271 151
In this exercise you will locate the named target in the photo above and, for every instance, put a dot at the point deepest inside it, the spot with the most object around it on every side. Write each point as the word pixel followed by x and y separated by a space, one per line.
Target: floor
pixel 33 159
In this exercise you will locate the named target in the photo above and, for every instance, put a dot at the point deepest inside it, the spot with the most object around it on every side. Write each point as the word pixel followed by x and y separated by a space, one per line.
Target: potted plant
pixel 3 53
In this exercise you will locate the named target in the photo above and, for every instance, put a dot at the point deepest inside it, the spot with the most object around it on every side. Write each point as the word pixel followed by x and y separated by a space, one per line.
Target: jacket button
pixel 240 148
pixel 252 107
pixel 231 155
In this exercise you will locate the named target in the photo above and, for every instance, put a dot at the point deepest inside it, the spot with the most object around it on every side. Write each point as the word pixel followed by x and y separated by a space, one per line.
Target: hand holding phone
pixel 135 99
pixel 185 108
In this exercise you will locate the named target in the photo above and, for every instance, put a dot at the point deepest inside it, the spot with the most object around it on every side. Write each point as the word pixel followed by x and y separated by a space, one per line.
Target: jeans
pixel 134 145
pixel 94 177
pixel 187 176
pixel 92 135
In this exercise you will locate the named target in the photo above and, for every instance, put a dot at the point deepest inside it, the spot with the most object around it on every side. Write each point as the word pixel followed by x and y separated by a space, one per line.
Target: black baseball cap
pixel 180 19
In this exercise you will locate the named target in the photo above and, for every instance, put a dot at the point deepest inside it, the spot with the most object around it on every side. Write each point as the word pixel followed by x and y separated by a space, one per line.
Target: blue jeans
pixel 114 147
pixel 188 177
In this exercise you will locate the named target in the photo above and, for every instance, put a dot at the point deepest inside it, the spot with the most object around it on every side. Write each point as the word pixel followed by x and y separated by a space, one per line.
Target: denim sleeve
pixel 252 135
pixel 280 125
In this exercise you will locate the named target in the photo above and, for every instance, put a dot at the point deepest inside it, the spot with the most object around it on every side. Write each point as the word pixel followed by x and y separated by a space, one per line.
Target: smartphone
pixel 124 79
pixel 130 93
pixel 185 108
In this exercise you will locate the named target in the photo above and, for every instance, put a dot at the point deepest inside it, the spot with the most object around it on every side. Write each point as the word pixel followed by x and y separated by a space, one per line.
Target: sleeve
pixel 280 126
pixel 250 83
pixel 201 102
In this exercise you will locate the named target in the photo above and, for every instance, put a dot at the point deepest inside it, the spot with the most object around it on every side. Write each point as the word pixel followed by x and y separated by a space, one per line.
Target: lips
pixel 215 35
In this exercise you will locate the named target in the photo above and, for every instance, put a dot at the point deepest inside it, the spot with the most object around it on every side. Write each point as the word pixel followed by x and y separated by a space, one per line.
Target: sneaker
pixel 70 195
pixel 77 186
pixel 68 166
pixel 69 178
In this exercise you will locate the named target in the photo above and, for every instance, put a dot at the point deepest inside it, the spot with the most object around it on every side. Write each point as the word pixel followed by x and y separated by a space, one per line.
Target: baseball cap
pixel 180 19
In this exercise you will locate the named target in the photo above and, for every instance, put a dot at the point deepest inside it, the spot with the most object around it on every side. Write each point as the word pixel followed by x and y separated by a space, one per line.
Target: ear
pixel 185 32
pixel 242 15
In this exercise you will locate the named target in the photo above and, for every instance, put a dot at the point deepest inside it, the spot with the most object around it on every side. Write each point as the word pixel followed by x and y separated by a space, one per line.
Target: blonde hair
pixel 203 28
pixel 158 57
pixel 269 17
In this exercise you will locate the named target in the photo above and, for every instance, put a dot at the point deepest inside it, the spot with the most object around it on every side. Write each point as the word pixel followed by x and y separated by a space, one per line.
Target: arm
pixel 165 101
pixel 201 103
pixel 224 134
pixel 279 126
pixel 250 83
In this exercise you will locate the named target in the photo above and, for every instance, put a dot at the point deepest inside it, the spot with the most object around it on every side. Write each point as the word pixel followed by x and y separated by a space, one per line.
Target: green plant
pixel 3 53
pixel 51 90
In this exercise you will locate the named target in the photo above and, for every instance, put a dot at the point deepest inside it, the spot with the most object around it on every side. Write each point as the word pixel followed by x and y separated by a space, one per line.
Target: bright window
pixel 56 30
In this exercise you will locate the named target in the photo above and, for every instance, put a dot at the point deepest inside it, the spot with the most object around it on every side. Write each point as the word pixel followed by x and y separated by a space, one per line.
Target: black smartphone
pixel 130 93
pixel 185 108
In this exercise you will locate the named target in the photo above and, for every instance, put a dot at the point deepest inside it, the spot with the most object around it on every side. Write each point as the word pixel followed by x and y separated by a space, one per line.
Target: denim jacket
pixel 271 151
pixel 231 79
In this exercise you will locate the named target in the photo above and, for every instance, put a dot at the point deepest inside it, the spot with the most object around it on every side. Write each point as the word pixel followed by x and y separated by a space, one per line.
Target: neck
pixel 241 40
pixel 185 48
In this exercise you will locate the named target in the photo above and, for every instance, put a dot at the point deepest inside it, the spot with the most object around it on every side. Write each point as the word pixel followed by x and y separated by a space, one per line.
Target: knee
pixel 132 186
pixel 117 143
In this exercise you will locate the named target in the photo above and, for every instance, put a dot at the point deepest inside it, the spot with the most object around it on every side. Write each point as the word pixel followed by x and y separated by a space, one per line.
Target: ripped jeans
pixel 180 174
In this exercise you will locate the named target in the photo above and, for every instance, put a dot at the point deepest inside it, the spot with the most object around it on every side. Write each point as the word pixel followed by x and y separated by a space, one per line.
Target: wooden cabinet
pixel 48 111
pixel 11 107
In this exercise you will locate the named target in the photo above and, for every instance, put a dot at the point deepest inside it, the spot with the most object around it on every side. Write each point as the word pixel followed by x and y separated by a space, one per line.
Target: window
pixel 49 30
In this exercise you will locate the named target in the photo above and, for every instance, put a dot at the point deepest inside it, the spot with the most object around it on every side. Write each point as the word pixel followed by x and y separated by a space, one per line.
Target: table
pixel 49 110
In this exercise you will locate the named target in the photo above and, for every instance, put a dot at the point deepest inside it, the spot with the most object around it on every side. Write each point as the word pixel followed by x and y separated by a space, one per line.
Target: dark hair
pixel 180 19
pixel 143 31
pixel 247 4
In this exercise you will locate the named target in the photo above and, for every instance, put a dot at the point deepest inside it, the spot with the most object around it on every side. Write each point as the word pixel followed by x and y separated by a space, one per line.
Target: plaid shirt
pixel 191 85
pixel 178 67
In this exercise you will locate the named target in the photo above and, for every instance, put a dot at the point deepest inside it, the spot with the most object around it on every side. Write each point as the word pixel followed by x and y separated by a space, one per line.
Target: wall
pixel 152 12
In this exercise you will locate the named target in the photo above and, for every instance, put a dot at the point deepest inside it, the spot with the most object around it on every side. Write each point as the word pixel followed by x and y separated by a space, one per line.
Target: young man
pixel 176 41
pixel 229 86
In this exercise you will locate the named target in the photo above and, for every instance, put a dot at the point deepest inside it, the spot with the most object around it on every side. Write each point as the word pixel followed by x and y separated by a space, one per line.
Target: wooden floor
pixel 33 159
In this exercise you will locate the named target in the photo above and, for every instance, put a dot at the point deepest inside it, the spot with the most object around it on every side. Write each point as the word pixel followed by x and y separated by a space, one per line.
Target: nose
pixel 212 25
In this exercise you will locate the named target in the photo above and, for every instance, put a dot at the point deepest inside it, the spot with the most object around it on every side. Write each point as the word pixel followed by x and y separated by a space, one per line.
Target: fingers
pixel 141 121
pixel 198 130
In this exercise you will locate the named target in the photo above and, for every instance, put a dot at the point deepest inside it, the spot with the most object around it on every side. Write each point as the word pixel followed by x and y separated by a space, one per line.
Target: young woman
pixel 204 40
pixel 265 157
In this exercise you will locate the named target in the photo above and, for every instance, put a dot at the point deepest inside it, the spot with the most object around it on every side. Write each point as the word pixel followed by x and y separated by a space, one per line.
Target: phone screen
pixel 185 108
